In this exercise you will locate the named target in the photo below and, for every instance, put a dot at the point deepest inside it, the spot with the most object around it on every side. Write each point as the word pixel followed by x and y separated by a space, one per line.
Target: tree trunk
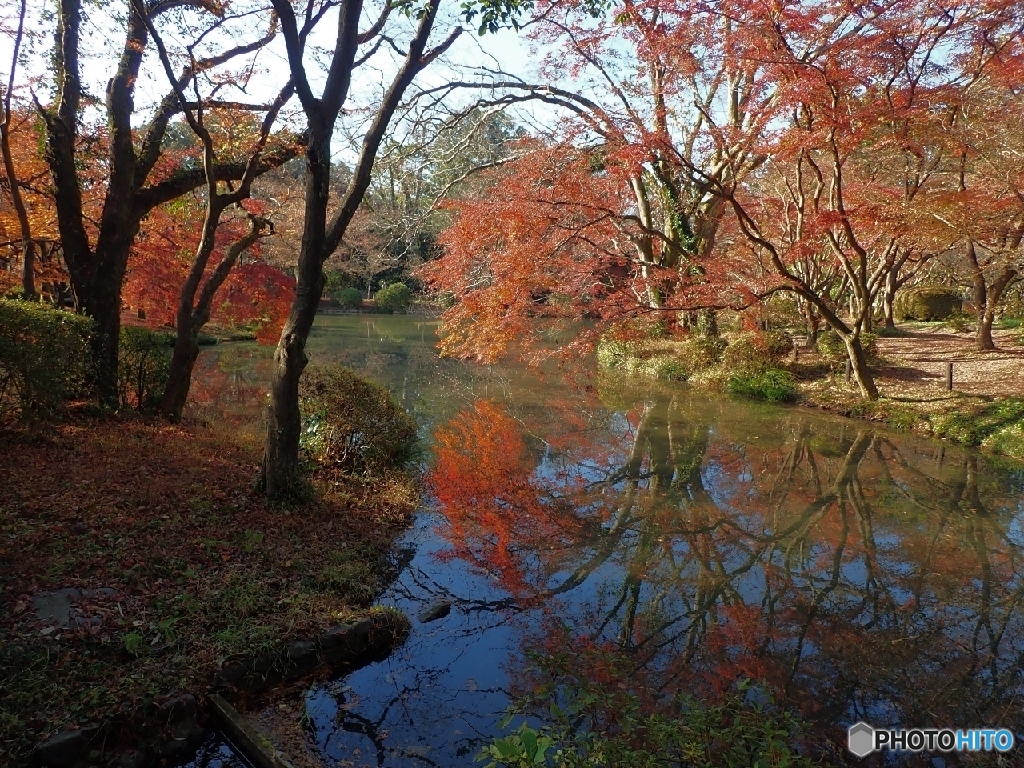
pixel 179 378
pixel 986 310
pixel 889 299
pixel 281 458
pixel 281 476
pixel 813 323
pixel 103 305
pixel 983 335
pixel 284 424
pixel 861 371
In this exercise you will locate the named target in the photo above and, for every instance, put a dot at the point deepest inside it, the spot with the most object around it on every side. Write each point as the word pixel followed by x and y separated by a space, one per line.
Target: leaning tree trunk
pixel 859 363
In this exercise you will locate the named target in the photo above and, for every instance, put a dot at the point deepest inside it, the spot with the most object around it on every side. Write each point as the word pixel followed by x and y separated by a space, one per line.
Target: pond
pixel 700 541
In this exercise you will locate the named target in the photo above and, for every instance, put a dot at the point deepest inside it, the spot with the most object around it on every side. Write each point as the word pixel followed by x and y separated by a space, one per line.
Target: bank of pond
pixel 634 568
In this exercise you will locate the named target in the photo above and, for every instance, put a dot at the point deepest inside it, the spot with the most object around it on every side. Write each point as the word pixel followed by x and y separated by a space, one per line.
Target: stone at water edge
pixel 435 612
pixel 64 748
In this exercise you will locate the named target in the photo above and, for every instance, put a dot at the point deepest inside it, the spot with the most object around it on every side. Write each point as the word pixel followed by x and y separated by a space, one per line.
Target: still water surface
pixel 860 574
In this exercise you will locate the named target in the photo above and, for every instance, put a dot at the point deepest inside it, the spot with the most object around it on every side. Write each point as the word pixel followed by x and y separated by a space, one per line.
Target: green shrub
pixel 772 385
pixel 349 298
pixel 394 298
pixel 662 367
pixel 959 322
pixel 927 303
pixel 598 729
pixel 352 424
pixel 756 351
pixel 612 353
pixel 833 348
pixel 44 357
pixel 698 353
pixel 672 359
pixel 144 360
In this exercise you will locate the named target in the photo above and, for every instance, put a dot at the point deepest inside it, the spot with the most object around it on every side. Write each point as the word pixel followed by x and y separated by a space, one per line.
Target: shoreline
pixel 132 591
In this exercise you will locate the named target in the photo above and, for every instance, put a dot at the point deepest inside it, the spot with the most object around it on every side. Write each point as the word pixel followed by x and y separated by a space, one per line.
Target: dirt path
pixel 917 364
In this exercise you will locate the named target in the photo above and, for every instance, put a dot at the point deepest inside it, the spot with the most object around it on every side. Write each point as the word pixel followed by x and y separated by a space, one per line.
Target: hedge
pixel 927 304
pixel 44 357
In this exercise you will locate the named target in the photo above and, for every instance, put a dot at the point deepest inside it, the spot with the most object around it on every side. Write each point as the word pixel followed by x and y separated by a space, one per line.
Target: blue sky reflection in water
pixel 861 574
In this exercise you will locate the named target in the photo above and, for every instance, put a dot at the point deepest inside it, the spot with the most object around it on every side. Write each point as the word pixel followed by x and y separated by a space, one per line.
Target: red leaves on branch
pixel 255 293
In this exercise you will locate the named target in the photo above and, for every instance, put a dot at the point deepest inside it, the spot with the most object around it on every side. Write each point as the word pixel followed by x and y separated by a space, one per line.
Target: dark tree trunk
pixel 284 423
pixel 179 378
pixel 281 456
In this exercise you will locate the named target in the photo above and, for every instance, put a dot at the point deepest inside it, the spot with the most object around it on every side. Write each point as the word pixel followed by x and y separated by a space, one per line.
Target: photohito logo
pixel 862 739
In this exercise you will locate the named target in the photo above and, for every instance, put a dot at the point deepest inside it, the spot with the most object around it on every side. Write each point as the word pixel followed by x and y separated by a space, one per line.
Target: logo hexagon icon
pixel 860 739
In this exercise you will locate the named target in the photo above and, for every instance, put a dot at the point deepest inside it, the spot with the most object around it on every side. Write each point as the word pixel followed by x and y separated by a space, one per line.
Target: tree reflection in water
pixel 859 576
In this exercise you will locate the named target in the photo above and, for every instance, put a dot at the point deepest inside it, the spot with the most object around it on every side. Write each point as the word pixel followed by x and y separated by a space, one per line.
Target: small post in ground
pixel 949 377
pixel 849 371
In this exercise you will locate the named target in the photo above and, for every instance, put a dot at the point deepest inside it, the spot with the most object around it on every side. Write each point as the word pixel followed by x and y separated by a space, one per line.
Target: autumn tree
pixel 397 226
pixel 28 249
pixel 664 105
pixel 981 203
pixel 137 174
pixel 322 237
pixel 200 288
pixel 854 82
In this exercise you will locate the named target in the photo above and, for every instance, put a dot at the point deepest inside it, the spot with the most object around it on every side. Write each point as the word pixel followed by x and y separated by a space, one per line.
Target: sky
pixel 103 38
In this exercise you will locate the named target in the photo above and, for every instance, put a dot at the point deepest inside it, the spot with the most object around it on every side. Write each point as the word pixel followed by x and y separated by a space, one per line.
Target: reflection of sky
pixel 437 699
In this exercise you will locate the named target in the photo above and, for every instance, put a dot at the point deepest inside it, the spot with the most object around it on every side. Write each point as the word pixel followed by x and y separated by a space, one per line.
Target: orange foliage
pixel 254 293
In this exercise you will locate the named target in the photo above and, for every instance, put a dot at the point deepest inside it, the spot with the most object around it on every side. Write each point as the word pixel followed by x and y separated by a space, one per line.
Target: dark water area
pixel 700 541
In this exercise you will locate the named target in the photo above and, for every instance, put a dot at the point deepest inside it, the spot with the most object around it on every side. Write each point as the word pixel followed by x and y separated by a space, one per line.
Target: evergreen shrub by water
pixel 394 298
pixel 353 425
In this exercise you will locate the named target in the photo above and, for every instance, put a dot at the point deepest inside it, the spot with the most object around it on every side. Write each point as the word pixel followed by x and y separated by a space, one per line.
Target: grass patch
pixel 997 423
pixel 772 386
pixel 204 569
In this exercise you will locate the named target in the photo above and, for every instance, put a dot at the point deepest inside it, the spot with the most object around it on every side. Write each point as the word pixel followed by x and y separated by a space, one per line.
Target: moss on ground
pixel 204 569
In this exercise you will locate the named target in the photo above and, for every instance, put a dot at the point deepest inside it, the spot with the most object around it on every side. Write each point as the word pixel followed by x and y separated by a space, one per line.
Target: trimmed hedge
pixel 349 298
pixel 144 360
pixel 44 357
pixel 394 298
pixel 353 425
pixel 927 304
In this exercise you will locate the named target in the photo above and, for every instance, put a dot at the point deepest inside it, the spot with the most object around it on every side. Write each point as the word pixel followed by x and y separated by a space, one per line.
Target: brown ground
pixel 917 364
pixel 185 564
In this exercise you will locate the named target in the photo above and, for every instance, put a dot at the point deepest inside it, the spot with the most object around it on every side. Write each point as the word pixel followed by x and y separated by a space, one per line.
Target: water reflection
pixel 861 575
pixel 662 543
